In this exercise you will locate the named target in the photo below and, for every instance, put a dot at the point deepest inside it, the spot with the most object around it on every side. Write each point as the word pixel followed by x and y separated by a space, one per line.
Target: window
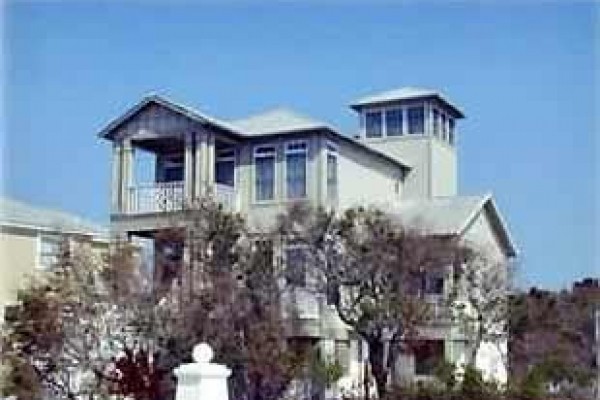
pixel 451 130
pixel 295 265
pixel 264 161
pixel 50 250
pixel 373 124
pixel 416 120
pixel 332 173
pixel 225 167
pixel 444 128
pixel 429 354
pixel 172 169
pixel 393 122
pixel 436 122
pixel 295 159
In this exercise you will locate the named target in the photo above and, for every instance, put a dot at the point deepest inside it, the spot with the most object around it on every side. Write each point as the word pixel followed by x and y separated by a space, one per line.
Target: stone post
pixel 201 379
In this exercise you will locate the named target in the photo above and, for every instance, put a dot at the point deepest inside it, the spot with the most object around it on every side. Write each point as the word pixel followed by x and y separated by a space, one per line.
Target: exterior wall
pixel 18 259
pixel 480 234
pixel 444 181
pixel 366 180
pixel 433 163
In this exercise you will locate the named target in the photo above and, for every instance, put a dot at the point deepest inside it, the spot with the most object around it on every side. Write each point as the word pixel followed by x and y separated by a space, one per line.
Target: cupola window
pixel 416 120
pixel 373 124
pixel 393 122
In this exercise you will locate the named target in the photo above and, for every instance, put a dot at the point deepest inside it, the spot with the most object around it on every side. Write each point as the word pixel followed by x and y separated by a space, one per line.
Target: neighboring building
pixel 30 241
pixel 403 159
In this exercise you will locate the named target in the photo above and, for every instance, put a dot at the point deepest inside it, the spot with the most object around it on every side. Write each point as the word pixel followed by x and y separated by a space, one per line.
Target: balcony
pixel 158 197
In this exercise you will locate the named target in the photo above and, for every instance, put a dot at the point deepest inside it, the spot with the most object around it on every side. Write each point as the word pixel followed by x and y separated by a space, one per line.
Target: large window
pixel 49 251
pixel 416 120
pixel 332 172
pixel 295 159
pixel 295 265
pixel 373 124
pixel 264 161
pixel 393 122
pixel 225 167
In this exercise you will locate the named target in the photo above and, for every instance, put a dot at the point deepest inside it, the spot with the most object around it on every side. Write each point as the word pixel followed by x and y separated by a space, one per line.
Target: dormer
pixel 407 112
pixel 417 126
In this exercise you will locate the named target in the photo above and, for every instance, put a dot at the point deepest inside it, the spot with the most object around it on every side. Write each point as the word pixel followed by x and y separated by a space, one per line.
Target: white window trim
pixel 257 154
pixel 288 151
pixel 331 148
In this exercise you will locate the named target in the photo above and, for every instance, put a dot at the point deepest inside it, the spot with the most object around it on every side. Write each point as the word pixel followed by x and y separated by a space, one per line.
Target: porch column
pixel 115 184
pixel 200 140
pixel 188 170
pixel 210 169
pixel 126 176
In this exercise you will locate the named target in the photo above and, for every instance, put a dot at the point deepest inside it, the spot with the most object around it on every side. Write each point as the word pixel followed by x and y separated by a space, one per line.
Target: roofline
pixel 359 105
pixel 108 131
pixel 487 203
pixel 96 236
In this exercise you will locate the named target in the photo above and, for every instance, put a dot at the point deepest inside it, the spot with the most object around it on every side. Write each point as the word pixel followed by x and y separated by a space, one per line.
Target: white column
pixel 126 175
pixel 115 184
pixel 188 170
pixel 200 140
pixel 202 379
pixel 210 169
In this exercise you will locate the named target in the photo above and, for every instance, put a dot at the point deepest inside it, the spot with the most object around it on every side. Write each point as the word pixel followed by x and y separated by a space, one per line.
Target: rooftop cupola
pixel 416 126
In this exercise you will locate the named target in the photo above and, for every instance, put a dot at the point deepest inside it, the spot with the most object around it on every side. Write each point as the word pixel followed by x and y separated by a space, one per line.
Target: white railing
pixel 226 195
pixel 156 197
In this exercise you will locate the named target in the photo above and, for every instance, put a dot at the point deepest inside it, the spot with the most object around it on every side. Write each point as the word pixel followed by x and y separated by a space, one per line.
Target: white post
pixel 188 169
pixel 202 379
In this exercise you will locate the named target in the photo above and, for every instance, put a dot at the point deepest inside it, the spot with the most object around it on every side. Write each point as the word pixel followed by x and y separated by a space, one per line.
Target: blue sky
pixel 523 73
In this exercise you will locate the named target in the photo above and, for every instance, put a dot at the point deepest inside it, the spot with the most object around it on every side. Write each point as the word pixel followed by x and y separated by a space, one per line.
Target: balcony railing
pixel 156 197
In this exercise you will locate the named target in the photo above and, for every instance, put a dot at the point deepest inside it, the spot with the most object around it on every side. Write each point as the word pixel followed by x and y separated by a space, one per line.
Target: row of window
pixel 390 122
pixel 296 161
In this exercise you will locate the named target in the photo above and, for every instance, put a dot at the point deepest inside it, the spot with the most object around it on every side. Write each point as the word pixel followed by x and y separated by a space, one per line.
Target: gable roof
pixel 404 93
pixel 453 215
pixel 278 120
pixel 18 214
pixel 272 122
pixel 204 119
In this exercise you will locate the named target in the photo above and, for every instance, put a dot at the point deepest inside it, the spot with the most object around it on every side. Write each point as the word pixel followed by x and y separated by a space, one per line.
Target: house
pixel 403 159
pixel 31 239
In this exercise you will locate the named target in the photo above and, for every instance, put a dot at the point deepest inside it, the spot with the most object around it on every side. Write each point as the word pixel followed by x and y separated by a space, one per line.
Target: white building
pixel 404 159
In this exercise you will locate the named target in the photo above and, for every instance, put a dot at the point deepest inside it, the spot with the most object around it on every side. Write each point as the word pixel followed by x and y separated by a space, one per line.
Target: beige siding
pixel 18 257
pixel 366 180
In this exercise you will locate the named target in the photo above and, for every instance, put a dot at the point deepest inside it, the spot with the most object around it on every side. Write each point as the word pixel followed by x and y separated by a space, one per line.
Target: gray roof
pixel 404 93
pixel 452 216
pixel 278 120
pixel 271 122
pixel 15 213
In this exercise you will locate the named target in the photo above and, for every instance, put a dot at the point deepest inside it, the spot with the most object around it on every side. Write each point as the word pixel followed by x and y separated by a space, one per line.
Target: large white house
pixel 403 159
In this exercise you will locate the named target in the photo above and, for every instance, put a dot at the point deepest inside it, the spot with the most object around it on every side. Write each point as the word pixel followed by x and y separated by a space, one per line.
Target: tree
pixel 480 301
pixel 372 269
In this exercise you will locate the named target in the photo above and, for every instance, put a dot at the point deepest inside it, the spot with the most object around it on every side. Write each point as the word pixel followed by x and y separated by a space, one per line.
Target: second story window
pixel 416 121
pixel 295 161
pixel 332 172
pixel 436 122
pixel 264 161
pixel 49 251
pixel 225 167
pixel 393 122
pixel 373 124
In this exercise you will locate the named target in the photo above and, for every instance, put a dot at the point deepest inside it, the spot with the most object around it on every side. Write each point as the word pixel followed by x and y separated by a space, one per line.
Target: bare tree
pixel 372 269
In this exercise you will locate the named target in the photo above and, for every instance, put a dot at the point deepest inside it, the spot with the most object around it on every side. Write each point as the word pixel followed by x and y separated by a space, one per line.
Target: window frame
pixel 332 150
pixel 289 150
pixel 409 120
pixel 400 111
pixel 232 157
pixel 381 113
pixel 264 151
pixel 57 240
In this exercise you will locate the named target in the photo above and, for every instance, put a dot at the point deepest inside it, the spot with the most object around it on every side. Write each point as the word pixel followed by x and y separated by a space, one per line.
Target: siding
pixel 18 253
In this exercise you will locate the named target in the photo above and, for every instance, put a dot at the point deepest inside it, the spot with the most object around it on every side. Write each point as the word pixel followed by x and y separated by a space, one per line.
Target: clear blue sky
pixel 524 75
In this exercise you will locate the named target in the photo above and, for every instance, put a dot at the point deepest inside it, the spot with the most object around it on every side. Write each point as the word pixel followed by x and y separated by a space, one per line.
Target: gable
pixel 488 233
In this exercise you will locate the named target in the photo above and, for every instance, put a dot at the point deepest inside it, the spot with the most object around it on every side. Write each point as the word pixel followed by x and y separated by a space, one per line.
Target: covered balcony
pixel 164 174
